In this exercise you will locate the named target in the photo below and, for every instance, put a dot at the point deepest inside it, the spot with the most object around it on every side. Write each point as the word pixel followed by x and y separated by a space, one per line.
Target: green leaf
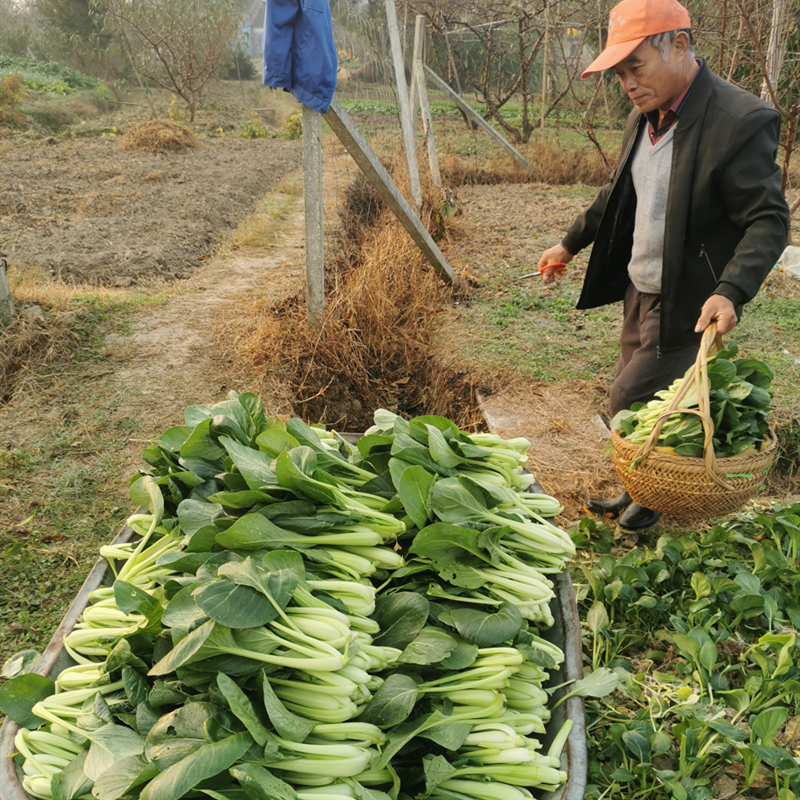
pixel 233 605
pixel 637 745
pixel 274 442
pixel 277 585
pixel 406 449
pixel 178 733
pixel 124 776
pixel 463 656
pixel 260 784
pixel 20 664
pixel 431 646
pixel 727 729
pixel 204 763
pixel 288 725
pixel 196 514
pixel 747 604
pixel 443 543
pixel 597 618
pixel 19 695
pixel 414 487
pixel 255 532
pixel 775 757
pixel 393 701
pixel 242 708
pixel 708 656
pixel 440 450
pixel 456 501
pixel 599 683
pixel 401 617
pixel 701 585
pixel 766 724
pixel 132 599
pixel 182 612
pixel 136 686
pixel 111 744
pixel 254 465
pixel 437 770
pixel 660 743
pixel 199 444
pixel 488 629
pixel 450 735
pixel 71 782
pixel 688 646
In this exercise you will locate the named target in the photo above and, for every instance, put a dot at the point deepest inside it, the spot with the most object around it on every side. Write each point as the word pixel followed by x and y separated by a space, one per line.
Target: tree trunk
pixel 776 48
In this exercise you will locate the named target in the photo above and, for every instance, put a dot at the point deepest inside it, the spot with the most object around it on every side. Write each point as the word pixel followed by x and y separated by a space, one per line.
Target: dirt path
pixel 172 360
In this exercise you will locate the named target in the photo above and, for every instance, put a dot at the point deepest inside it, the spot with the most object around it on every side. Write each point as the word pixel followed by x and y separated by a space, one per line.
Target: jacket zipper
pixel 704 254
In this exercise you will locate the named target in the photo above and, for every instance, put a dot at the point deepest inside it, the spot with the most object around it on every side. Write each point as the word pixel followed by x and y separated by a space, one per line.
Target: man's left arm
pixel 751 187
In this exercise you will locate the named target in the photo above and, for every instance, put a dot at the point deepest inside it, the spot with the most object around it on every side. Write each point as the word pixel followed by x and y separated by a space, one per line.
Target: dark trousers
pixel 640 371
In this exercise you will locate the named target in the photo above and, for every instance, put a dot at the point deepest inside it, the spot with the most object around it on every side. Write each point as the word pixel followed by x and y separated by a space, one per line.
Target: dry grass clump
pixel 158 136
pixel 552 163
pixel 27 345
pixel 374 345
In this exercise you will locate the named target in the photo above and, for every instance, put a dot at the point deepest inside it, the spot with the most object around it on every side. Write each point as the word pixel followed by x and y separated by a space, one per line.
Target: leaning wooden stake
pixel 418 80
pixel 402 98
pixel 6 300
pixel 477 118
pixel 362 154
pixel 312 196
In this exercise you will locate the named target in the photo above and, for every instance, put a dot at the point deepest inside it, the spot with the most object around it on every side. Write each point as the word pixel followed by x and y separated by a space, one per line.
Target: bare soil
pixel 89 212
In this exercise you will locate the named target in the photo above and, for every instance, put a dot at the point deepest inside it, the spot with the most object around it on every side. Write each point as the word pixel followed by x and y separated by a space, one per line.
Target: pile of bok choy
pixel 740 393
pixel 303 618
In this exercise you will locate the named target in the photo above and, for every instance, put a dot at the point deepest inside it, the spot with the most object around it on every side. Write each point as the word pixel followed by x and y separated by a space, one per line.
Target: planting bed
pixel 88 211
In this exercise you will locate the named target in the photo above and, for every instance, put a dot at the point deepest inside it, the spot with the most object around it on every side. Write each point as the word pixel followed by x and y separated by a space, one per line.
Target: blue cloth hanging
pixel 299 52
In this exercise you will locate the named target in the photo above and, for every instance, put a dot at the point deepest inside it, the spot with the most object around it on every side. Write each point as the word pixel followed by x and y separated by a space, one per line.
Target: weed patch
pixel 373 347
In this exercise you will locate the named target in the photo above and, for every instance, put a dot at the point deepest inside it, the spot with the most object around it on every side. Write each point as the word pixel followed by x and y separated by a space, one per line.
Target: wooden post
pixel 418 79
pixel 413 92
pixel 6 300
pixel 477 118
pixel 544 59
pixel 370 165
pixel 312 197
pixel 402 98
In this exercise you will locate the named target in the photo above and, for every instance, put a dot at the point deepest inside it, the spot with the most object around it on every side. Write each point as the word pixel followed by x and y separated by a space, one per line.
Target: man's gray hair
pixel 662 42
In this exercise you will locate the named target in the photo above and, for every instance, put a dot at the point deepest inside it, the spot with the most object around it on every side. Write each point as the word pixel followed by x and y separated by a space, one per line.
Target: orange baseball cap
pixel 631 22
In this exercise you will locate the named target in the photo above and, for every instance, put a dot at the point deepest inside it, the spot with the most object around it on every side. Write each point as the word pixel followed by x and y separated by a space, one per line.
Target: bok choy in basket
pixel 740 392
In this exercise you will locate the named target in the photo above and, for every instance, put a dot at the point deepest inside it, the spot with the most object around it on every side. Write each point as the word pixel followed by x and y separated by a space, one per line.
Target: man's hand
pixel 720 309
pixel 558 254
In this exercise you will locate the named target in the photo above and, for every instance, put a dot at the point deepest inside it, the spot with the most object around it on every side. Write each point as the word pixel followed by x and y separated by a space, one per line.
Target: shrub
pixel 12 93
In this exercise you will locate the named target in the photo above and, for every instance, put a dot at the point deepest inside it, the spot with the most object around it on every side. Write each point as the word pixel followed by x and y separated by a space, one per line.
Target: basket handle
pixel 710 344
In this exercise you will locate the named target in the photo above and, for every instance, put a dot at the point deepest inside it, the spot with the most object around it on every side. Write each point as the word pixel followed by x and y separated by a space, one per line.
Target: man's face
pixel 649 81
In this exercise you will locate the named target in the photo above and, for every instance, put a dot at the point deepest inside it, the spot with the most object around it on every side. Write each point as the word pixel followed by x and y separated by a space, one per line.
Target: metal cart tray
pixel 565 633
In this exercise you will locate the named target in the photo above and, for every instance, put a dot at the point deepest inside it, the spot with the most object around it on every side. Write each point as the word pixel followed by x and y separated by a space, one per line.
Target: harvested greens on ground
pixel 301 618
pixel 703 631
pixel 740 394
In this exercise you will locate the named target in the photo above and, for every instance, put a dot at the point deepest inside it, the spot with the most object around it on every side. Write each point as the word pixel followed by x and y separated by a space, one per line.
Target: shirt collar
pixel 675 109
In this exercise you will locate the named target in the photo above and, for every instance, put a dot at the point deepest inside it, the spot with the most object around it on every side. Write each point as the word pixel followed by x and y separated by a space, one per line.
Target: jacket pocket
pixel 703 254
pixel 314 5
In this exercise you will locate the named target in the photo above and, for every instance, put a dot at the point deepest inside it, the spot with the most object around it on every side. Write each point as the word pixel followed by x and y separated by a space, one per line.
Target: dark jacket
pixel 726 220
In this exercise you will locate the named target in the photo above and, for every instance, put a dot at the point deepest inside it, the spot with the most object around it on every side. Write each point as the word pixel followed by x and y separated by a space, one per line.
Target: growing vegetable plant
pixel 702 632
pixel 301 618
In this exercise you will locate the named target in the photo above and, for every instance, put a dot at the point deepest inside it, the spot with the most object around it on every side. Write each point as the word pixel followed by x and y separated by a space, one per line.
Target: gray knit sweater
pixel 651 169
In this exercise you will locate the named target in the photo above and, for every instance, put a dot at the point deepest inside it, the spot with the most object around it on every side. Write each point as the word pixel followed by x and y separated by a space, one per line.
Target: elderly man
pixel 693 218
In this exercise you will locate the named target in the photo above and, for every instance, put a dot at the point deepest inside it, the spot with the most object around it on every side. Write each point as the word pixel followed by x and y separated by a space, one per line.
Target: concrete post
pixel 312 198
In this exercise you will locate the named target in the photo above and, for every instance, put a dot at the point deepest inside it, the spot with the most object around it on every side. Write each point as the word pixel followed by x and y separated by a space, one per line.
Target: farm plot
pixel 90 212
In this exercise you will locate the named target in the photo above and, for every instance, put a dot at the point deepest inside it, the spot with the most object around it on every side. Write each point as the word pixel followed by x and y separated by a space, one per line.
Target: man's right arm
pixel 582 232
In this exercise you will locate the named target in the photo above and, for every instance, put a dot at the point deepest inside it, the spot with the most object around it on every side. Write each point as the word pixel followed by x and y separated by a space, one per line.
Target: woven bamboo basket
pixel 691 488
